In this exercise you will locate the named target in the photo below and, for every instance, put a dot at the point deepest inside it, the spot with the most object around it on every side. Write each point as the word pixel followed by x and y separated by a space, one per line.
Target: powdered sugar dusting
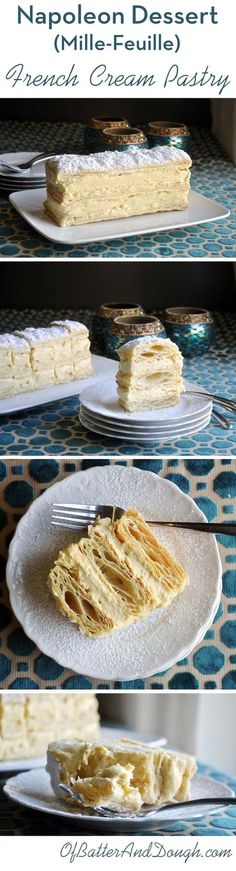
pixel 145 340
pixel 11 341
pixel 37 335
pixel 70 325
pixel 115 160
pixel 147 646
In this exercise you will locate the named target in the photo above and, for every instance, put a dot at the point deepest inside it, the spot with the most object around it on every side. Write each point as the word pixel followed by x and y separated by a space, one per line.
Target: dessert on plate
pixel 149 373
pixel 115 575
pixel 125 775
pixel 83 189
pixel 40 357
pixel 29 721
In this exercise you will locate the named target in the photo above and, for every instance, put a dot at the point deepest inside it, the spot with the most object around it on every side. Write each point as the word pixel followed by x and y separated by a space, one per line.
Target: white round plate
pixel 106 734
pixel 103 400
pixel 143 432
pixel 17 157
pixel 33 790
pixel 147 425
pixel 162 435
pixel 148 646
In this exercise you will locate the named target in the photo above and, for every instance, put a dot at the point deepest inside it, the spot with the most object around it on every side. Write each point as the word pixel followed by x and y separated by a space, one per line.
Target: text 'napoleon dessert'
pixel 83 189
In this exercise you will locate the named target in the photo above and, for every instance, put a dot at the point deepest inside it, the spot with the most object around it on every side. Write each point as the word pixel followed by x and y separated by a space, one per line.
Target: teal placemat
pixel 56 430
pixel 213 175
pixel 17 820
pixel 212 665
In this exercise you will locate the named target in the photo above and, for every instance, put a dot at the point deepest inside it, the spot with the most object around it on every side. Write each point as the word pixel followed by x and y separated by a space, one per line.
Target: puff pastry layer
pixel 83 189
pixel 149 373
pixel 125 775
pixel 115 576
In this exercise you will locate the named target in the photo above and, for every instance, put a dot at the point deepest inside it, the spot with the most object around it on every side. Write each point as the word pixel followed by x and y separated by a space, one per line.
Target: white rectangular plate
pixel 29 204
pixel 102 368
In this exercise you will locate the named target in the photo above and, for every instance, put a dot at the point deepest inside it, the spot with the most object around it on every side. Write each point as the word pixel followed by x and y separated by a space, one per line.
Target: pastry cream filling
pixel 29 722
pixel 115 576
pixel 128 774
pixel 149 373
pixel 33 359
pixel 113 185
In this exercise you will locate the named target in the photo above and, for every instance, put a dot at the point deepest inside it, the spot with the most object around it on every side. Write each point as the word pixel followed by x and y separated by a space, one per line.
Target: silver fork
pixel 73 516
pixel 27 165
pixel 229 404
pixel 146 810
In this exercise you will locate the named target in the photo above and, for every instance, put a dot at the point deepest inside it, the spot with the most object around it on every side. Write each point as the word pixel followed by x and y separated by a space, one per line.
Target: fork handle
pixel 223 528
pixel 226 799
pixel 229 404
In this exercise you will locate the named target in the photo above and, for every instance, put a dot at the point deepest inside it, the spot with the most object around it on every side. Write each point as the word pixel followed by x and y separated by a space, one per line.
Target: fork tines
pixel 73 516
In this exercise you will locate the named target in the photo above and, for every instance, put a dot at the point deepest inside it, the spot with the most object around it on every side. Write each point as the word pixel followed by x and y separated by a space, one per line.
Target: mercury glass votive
pixel 123 139
pixel 125 329
pixel 103 320
pixel 168 133
pixel 95 126
pixel 192 329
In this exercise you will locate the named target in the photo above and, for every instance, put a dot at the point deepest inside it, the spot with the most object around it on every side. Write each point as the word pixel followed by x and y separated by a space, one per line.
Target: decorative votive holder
pixel 93 132
pixel 104 318
pixel 123 139
pixel 168 133
pixel 192 329
pixel 125 329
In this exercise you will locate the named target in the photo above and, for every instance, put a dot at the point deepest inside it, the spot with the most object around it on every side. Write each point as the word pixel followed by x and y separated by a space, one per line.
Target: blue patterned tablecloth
pixel 18 820
pixel 213 175
pixel 56 429
pixel 212 664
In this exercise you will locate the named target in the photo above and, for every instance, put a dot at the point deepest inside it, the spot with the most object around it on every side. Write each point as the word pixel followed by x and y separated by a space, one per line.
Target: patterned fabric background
pixel 17 820
pixel 56 429
pixel 213 174
pixel 212 484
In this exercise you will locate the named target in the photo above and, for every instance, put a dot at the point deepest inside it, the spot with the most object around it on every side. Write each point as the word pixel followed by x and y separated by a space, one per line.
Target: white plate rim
pixel 129 225
pixel 10 789
pixel 132 674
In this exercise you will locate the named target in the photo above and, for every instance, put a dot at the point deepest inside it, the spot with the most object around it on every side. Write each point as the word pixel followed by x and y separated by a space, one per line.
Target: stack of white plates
pixel 15 181
pixel 100 412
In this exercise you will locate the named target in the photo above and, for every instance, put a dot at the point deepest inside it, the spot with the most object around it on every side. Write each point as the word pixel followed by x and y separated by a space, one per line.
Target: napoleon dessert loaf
pixel 83 189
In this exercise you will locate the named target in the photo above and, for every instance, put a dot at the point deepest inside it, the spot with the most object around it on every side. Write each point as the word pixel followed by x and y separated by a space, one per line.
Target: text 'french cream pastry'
pixel 113 184
pixel 149 373
pixel 116 575
pixel 29 721
pixel 126 775
pixel 40 357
